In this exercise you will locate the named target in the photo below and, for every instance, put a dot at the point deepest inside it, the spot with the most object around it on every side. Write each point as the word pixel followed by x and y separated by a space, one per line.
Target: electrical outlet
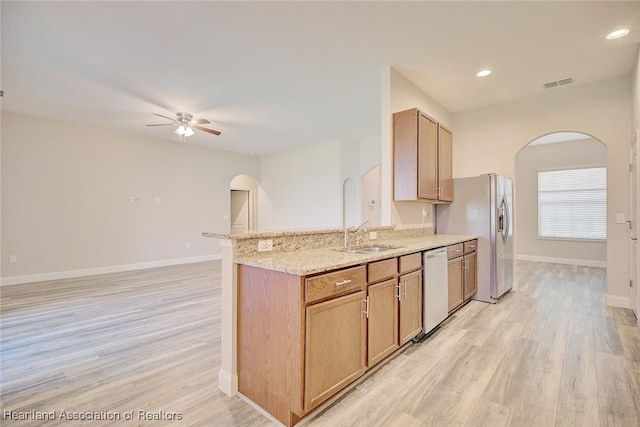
pixel 13 258
pixel 265 245
pixel 373 235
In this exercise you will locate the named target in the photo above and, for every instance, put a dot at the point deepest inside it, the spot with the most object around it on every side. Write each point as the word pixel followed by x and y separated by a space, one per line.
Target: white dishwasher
pixel 435 291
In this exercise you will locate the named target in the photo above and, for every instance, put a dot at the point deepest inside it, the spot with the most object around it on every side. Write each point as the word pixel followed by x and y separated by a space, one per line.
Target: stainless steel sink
pixel 369 249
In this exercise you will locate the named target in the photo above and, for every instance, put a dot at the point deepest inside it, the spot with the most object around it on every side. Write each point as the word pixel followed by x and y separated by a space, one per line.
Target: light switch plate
pixel 373 235
pixel 620 218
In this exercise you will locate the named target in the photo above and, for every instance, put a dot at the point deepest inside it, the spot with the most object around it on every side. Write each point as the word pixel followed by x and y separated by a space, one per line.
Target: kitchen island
pixel 293 329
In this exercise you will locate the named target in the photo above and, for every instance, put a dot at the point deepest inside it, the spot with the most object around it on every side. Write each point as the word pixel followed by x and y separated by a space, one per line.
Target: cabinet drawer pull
pixel 366 304
pixel 343 282
pixel 458 250
pixel 399 286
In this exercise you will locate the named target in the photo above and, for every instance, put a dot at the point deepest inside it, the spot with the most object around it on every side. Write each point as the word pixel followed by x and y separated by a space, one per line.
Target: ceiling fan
pixel 186 125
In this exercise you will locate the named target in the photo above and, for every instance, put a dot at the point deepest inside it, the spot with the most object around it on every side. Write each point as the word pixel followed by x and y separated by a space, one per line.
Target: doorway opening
pixel 560 204
pixel 239 211
pixel 243 191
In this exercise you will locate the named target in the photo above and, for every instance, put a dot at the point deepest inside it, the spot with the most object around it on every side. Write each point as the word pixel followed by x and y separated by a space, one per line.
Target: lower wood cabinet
pixel 463 273
pixel 456 296
pixel 335 346
pixel 382 321
pixel 470 267
pixel 303 339
pixel 410 296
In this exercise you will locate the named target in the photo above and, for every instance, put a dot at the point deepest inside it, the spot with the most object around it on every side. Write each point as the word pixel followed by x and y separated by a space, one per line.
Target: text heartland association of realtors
pixel 138 415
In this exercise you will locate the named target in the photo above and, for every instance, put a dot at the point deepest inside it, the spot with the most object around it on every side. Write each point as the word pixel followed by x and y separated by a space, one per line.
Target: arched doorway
pixel 561 200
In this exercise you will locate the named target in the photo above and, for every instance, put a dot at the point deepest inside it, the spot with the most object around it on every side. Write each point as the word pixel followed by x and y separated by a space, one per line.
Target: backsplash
pixel 247 245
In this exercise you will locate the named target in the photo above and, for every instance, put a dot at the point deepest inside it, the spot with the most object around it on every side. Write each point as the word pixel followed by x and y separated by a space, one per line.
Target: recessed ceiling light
pixel 617 34
pixel 483 73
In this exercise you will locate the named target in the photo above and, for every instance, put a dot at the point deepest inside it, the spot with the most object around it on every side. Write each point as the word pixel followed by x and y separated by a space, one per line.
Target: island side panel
pixel 270 331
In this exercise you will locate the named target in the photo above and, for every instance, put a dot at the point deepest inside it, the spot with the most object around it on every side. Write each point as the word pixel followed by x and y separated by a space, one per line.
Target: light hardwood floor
pixel 551 354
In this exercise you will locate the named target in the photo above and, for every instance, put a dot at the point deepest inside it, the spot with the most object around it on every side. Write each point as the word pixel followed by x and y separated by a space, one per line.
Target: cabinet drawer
pixel 470 246
pixel 335 283
pixel 384 269
pixel 410 262
pixel 455 251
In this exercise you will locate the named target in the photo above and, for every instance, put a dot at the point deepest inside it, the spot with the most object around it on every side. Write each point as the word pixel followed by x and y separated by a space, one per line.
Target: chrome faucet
pixel 357 231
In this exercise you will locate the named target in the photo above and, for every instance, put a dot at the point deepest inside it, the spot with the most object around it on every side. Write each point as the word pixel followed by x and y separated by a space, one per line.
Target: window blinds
pixel 572 204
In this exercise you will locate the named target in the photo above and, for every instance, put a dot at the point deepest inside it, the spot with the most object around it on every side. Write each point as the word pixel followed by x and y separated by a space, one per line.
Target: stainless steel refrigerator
pixel 482 206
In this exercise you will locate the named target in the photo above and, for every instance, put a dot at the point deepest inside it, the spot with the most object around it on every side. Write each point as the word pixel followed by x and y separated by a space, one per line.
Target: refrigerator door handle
pixel 505 220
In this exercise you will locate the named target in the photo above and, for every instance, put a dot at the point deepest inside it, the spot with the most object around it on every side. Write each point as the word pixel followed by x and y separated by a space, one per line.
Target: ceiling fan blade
pixel 164 117
pixel 213 131
pixel 163 124
pixel 200 122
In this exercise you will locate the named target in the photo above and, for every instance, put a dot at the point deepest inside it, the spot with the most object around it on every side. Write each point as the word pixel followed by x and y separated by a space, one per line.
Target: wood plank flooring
pixel 551 354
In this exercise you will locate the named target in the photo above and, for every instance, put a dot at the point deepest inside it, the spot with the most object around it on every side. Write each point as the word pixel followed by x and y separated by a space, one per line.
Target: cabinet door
pixel 335 346
pixel 470 275
pixel 410 306
pixel 455 282
pixel 427 158
pixel 445 164
pixel 382 330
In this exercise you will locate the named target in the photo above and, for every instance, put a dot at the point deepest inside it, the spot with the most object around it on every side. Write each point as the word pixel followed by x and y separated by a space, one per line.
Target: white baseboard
pixel 570 261
pixel 617 301
pixel 227 382
pixel 57 275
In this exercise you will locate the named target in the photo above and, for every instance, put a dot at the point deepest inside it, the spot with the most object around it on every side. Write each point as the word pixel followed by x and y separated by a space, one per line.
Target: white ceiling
pixel 271 75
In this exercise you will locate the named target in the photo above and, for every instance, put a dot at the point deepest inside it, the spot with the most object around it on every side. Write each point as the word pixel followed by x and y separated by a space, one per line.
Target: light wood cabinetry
pixel 270 341
pixel 410 296
pixel 463 272
pixel 470 268
pixel 303 339
pixel 335 347
pixel 423 158
pixel 382 322
pixel 456 296
pixel 335 284
pixel 445 164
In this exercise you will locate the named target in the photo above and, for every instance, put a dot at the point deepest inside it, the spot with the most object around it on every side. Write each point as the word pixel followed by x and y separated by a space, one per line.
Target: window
pixel 572 204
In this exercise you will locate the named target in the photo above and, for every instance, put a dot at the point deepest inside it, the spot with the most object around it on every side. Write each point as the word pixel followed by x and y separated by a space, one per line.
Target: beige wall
pixel 300 188
pixel 529 161
pixel 635 94
pixel 66 192
pixel 487 140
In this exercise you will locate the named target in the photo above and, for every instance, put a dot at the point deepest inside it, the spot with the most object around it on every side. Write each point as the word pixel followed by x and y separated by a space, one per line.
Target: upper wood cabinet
pixel 423 158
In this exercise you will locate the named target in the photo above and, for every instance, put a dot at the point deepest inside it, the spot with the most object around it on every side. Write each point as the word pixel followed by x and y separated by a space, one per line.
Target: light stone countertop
pixel 311 261
pixel 281 233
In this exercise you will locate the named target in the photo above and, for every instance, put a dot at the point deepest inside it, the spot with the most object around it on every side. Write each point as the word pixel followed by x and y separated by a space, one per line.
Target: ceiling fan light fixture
pixel 617 34
pixel 188 131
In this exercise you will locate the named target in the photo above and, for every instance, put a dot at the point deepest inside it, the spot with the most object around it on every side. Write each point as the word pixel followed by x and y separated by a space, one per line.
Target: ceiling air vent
pixel 558 83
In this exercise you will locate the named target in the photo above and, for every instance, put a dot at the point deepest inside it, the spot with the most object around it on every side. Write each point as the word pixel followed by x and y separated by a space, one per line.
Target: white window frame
pixel 578 239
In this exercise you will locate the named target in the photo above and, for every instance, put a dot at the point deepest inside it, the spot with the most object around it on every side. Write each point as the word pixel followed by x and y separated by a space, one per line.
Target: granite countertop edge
pixel 281 233
pixel 312 261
